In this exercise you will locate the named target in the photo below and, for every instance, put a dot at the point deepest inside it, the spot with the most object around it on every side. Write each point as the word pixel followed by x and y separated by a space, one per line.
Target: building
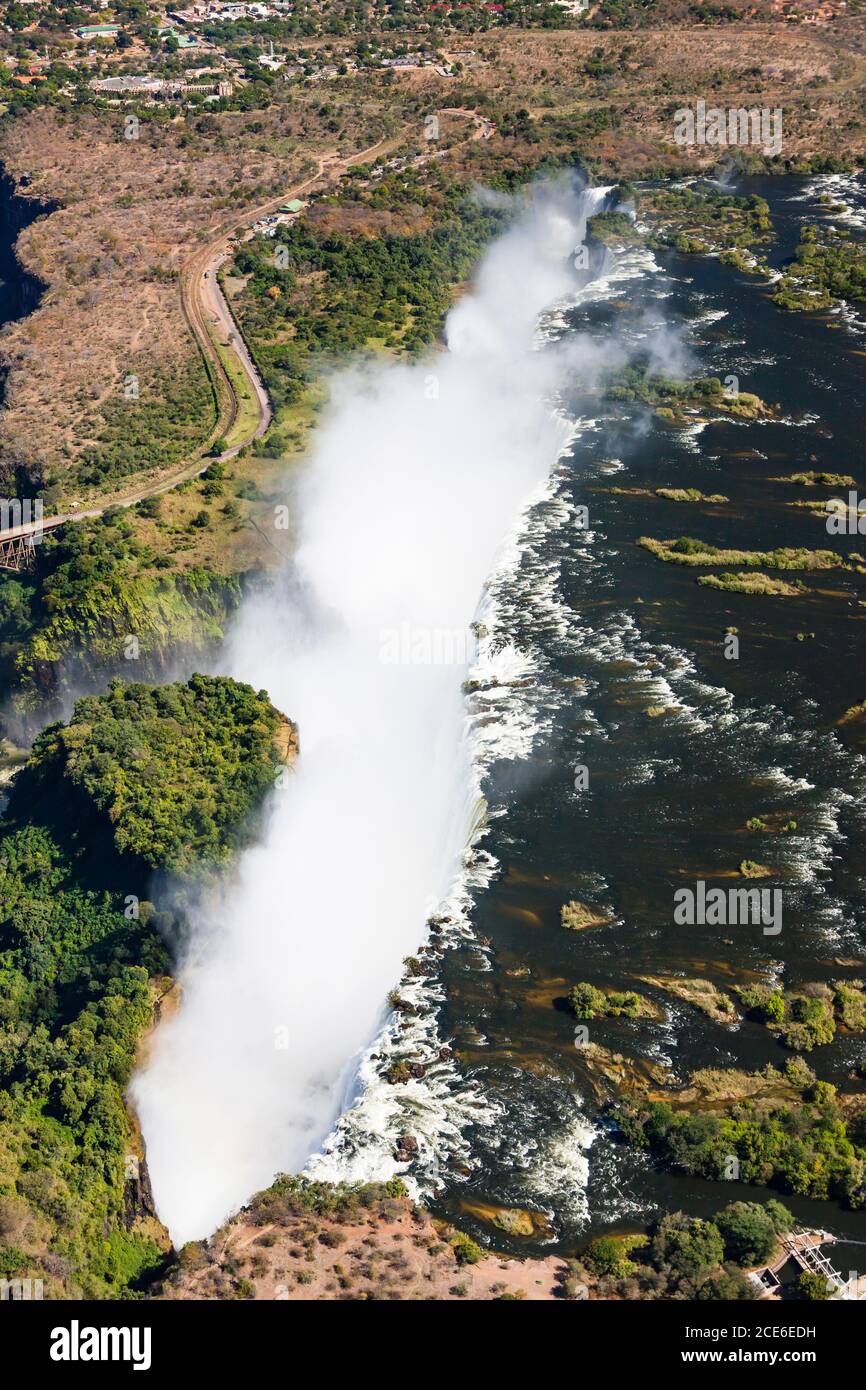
pixel 97 31
pixel 272 61
pixel 117 86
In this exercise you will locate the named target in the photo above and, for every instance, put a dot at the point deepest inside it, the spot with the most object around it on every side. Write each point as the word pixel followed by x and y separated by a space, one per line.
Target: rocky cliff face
pixel 20 290
pixel 286 739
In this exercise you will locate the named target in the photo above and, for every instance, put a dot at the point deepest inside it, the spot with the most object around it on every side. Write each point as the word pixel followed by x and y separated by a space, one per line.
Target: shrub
pixel 466 1249
pixel 748 1231
pixel 587 1001
pixel 689 1247
pixel 814 1287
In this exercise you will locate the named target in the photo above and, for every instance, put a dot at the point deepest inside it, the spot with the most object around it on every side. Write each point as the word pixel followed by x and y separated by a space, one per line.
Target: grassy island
pixel 686 550
pixel 811 1142
pixel 681 401
pixel 807 1017
pixel 703 221
pixel 829 266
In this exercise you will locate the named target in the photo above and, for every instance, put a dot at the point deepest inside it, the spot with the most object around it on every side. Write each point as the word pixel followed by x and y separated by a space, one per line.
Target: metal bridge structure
pixel 804 1248
pixel 18 543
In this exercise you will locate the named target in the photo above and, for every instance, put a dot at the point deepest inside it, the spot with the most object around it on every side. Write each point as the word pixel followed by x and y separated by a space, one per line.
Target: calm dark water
pixel 613 632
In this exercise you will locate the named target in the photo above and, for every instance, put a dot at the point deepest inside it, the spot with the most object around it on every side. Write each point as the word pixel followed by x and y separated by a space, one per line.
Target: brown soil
pixel 397 1253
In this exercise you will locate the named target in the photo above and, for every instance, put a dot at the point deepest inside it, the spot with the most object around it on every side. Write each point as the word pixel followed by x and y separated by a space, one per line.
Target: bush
pixel 749 1233
pixel 466 1249
pixel 690 1246
pixel 609 1255
pixel 814 1287
pixel 587 1001
pixel 806 1147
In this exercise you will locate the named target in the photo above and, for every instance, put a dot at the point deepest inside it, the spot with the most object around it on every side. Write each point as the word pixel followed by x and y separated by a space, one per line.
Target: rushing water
pixel 417 474
pixel 586 633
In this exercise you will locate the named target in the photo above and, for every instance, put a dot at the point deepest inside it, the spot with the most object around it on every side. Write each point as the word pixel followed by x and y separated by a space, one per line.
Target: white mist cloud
pixel 418 473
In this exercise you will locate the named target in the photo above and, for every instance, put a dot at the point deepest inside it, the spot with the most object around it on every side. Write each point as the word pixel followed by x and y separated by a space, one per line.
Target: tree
pixel 814 1287
pixel 749 1232
pixel 689 1247
pixel 587 1001
pixel 729 1283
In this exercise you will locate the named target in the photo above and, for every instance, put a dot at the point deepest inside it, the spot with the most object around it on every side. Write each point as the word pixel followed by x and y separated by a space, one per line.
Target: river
pixel 592 632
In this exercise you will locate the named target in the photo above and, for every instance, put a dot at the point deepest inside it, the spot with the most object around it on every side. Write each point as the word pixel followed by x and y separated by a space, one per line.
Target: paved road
pixel 214 306
pixel 206 311
pixel 201 297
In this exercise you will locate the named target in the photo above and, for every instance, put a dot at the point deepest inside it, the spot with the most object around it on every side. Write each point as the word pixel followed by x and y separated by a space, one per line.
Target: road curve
pixel 201 296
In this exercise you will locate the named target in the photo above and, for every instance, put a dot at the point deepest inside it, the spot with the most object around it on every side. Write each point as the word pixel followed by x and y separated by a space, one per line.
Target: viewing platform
pixel 804 1248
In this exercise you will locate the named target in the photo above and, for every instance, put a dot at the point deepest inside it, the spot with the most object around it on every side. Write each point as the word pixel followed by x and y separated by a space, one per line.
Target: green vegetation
pixel 814 1287
pixel 17 600
pixel 704 222
pixel 786 827
pixel 160 425
pixel 344 285
pixel 828 266
pixel 807 1017
pixel 96 587
pixel 810 1147
pixel 812 477
pixel 849 999
pixel 753 583
pixel 750 868
pixel 290 1195
pixel 672 399
pixel 589 1002
pixel 684 1256
pixel 685 550
pixel 689 494
pixel 751 1232
pixel 82 959
pixel 466 1250
pixel 608 1256
pixel 763 1002
pixel 247 418
pixel 613 229
pixel 177 769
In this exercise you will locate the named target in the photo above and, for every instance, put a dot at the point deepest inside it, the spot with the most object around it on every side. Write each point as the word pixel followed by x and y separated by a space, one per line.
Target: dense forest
pixel 95 585
pixel 808 1146
pixel 315 292
pixel 141 779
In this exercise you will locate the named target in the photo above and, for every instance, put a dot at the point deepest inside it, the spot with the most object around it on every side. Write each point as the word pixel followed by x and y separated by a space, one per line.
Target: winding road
pixel 210 320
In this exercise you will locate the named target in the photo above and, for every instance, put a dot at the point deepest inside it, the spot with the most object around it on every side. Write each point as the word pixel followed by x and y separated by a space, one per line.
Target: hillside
pixel 114 267
pixel 139 780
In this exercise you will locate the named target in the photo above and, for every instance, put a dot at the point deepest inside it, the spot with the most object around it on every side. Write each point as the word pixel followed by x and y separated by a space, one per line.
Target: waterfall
pixel 416 477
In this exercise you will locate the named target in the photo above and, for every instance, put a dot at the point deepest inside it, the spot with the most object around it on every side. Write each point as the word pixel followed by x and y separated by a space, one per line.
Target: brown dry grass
pixel 130 214
pixel 133 212
pixel 396 1255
